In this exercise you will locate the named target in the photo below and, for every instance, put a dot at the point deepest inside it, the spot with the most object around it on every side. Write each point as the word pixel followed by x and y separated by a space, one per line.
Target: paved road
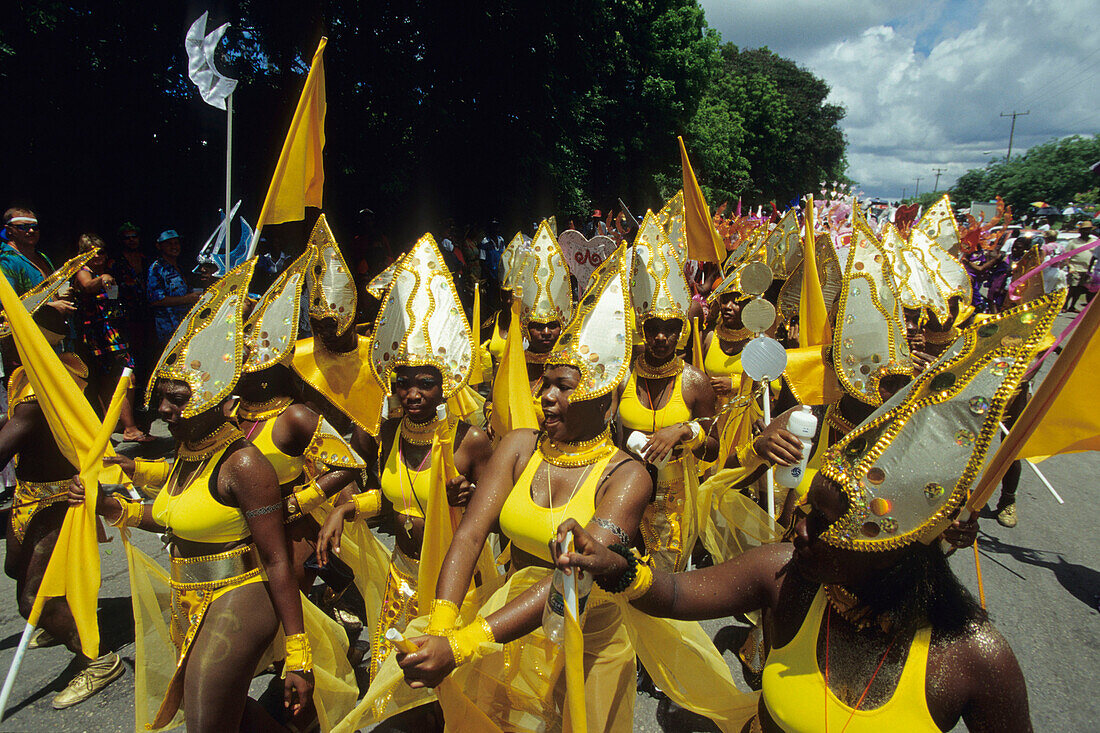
pixel 1041 581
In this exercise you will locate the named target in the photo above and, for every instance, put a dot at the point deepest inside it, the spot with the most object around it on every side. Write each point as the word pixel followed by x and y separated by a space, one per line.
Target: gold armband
pixel 747 455
pixel 309 498
pixel 130 513
pixel 698 436
pixel 466 642
pixel 641 584
pixel 151 474
pixel 299 655
pixel 367 504
pixel 442 619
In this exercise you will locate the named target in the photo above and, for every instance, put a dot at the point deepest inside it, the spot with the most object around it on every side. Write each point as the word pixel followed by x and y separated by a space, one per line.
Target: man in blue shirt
pixel 20 260
pixel 169 294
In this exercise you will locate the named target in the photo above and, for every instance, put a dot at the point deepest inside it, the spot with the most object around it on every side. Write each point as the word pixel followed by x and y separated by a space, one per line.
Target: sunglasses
pixel 24 227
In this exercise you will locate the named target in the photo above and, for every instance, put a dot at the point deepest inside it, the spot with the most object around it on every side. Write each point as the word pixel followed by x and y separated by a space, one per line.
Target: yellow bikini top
pixel 635 416
pixel 287 468
pixel 496 342
pixel 717 363
pixel 529 526
pixel 406 487
pixel 794 688
pixel 20 389
pixel 194 514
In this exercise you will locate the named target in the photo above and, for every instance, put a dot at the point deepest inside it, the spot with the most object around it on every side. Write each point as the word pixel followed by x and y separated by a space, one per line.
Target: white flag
pixel 213 85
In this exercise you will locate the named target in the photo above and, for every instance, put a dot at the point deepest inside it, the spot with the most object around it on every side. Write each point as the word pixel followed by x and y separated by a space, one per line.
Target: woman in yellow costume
pixel 311 460
pixel 421 351
pixel 233 590
pixel 495 653
pixel 871 629
pixel 664 399
pixel 546 300
pixel 510 259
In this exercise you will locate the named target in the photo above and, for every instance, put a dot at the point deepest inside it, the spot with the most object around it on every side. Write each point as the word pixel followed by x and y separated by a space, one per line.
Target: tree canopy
pixel 1056 172
pixel 471 110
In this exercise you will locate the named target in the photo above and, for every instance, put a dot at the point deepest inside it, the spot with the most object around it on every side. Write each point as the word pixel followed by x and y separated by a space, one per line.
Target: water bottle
pixel 553 613
pixel 803 423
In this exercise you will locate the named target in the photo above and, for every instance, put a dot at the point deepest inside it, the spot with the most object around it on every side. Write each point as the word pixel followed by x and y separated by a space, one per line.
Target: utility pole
pixel 916 191
pixel 1012 131
pixel 936 185
pixel 903 190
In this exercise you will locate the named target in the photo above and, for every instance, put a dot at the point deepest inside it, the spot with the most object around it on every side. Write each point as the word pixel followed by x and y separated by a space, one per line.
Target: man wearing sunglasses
pixel 20 261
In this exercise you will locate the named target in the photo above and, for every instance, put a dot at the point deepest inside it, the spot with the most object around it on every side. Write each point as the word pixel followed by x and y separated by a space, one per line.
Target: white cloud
pixel 926 90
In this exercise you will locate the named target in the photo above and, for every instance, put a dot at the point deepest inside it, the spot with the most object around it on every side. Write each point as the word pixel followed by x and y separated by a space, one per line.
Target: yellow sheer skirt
pixel 163 615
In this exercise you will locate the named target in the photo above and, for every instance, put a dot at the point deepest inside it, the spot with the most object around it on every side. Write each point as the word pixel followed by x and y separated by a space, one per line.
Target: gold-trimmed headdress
pixel 869 337
pixel 599 339
pixel 44 291
pixel 909 466
pixel 938 222
pixel 380 283
pixel 781 248
pixel 330 282
pixel 830 274
pixel 671 219
pixel 542 282
pixel 272 328
pixel 658 287
pixel 207 349
pixel 511 259
pixel 421 322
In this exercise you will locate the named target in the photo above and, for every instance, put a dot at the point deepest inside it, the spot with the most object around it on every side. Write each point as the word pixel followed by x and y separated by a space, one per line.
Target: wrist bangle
pixel 747 455
pixel 621 583
pixel 367 504
pixel 698 437
pixel 130 513
pixel 309 498
pixel 466 642
pixel 151 474
pixel 443 617
pixel 299 655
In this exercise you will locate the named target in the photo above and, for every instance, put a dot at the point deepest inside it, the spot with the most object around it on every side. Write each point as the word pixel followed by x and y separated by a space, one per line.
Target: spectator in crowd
pixel 105 347
pixel 129 267
pixel 20 260
pixel 1079 266
pixel 168 291
pixel 492 247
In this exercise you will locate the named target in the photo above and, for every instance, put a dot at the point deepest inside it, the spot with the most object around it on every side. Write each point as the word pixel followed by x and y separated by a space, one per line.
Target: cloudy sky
pixel 924 83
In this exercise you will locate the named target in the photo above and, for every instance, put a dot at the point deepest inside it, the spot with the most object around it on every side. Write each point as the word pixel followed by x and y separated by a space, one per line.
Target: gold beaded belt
pixel 212 570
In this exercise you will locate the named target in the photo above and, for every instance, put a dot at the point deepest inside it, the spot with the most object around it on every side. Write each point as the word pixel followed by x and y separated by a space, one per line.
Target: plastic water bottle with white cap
pixel 803 423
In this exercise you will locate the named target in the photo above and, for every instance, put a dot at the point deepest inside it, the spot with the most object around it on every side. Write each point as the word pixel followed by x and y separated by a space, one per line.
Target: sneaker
pixel 1006 515
pixel 89 681
pixel 42 639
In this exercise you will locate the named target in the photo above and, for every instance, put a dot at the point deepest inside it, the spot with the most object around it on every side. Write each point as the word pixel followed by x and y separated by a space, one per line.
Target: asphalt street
pixel 1041 580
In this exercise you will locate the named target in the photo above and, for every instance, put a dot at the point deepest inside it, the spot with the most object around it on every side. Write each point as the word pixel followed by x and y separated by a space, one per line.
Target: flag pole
pixel 16 663
pixel 228 172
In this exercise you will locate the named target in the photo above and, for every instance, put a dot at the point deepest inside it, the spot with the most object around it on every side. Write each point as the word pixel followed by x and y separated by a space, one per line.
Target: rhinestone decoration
pixel 1027 318
pixel 870 529
pixel 890 525
pixel 880 506
pixel 987 330
pixel 876 476
pixel 933 490
pixel 964 438
pixel 979 405
pixel 1000 367
pixel 942 382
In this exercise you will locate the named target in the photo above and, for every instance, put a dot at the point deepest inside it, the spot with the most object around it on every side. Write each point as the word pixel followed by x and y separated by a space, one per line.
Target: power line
pixel 916 191
pixel 1012 132
pixel 938 172
pixel 1069 79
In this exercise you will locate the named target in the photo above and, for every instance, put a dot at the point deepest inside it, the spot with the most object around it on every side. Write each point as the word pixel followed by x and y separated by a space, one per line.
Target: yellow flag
pixel 299 178
pixel 1061 417
pixel 438 529
pixel 703 242
pixel 73 570
pixel 813 318
pixel 811 377
pixel 697 356
pixel 476 376
pixel 512 405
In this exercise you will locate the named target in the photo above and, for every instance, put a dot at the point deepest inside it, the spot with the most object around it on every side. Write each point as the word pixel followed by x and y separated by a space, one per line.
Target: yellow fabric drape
pixel 697 356
pixel 573 653
pixel 813 317
pixel 299 177
pixel 735 523
pixel 704 243
pixel 438 522
pixel 80 437
pixel 810 377
pixel 345 380
pixel 512 406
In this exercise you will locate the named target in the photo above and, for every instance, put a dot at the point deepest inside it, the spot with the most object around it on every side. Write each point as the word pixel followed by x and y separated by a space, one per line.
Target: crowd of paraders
pixel 485 485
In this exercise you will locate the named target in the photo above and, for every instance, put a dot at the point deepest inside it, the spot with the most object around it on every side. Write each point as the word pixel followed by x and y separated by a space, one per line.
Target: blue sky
pixel 924 83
